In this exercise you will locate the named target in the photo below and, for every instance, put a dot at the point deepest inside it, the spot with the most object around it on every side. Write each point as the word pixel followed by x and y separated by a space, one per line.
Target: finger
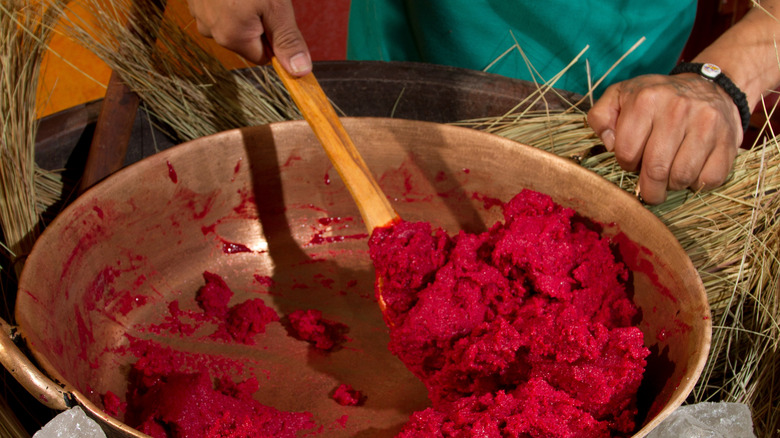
pixel 251 48
pixel 286 40
pixel 632 131
pixel 716 169
pixel 197 12
pixel 240 30
pixel 686 147
pixel 602 117
pixel 203 29
pixel 726 138
pixel 689 162
pixel 660 152
pixel 703 137
pixel 706 157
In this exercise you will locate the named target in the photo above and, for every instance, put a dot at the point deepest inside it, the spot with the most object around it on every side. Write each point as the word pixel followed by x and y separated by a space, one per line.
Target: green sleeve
pixel 532 40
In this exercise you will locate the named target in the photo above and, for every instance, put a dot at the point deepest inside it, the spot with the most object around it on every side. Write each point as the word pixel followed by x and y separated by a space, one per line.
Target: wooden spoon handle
pixel 317 110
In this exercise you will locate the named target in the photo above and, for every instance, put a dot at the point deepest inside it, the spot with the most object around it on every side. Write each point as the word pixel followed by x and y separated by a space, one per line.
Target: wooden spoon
pixel 319 113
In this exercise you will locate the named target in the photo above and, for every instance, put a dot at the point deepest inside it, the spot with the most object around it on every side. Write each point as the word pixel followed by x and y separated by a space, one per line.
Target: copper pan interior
pixel 106 270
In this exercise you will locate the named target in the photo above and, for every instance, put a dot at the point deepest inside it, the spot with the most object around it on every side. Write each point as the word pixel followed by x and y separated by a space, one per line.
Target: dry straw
pixel 188 89
pixel 731 233
pixel 25 28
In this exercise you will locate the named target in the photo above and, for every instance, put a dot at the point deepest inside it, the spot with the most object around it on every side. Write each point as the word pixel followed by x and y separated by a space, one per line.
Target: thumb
pixel 287 42
pixel 602 117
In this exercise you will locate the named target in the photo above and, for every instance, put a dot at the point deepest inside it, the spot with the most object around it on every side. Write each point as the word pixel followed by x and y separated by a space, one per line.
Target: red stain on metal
pixel 172 172
pixel 265 280
pixel 236 169
pixel 85 335
pixel 291 160
pixel 334 223
pixel 319 239
pixel 636 258
pixel 487 201
pixel 247 207
pixel 234 248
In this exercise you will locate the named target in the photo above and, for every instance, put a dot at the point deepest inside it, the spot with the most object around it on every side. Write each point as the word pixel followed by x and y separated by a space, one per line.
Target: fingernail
pixel 608 137
pixel 300 63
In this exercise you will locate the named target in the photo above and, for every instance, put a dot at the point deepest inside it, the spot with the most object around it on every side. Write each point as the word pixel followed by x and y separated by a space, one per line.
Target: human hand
pixel 239 25
pixel 679 131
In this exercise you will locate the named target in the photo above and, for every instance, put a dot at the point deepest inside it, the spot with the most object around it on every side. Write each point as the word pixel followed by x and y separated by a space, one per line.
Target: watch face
pixel 710 70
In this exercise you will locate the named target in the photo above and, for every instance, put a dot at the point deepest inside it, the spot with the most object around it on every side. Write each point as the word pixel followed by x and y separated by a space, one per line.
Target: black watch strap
pixel 713 73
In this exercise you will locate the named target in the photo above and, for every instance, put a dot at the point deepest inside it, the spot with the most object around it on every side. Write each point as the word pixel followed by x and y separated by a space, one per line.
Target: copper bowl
pixel 265 202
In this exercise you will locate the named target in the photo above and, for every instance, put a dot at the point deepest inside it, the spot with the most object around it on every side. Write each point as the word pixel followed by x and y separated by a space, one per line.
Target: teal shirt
pixel 474 34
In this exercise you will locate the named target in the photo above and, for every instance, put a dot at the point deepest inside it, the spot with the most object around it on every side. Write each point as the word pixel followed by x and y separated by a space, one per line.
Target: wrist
pixel 713 73
pixel 746 52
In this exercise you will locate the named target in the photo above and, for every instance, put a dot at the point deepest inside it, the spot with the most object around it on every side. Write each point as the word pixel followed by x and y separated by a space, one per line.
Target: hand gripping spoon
pixel 319 113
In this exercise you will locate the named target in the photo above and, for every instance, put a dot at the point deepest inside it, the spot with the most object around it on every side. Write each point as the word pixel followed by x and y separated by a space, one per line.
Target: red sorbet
pixel 189 405
pixel 112 404
pixel 214 296
pixel 346 395
pixel 165 401
pixel 310 326
pixel 240 322
pixel 525 329
pixel 249 318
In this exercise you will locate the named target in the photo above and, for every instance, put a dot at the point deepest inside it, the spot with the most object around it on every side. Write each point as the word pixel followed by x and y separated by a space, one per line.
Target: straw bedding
pixel 731 234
